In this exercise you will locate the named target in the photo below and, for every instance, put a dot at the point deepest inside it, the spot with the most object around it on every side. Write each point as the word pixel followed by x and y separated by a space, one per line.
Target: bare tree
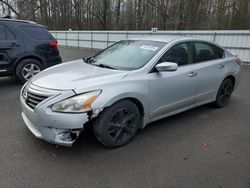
pixel 132 15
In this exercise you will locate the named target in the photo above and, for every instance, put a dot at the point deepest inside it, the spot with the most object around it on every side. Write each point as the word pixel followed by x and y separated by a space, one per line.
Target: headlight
pixel 77 104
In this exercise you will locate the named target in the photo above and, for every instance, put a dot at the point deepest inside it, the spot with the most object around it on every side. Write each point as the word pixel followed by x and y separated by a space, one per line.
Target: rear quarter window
pixel 206 52
pixel 37 33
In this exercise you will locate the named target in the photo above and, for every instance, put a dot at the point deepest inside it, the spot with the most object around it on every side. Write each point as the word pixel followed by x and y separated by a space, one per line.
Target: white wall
pixel 235 41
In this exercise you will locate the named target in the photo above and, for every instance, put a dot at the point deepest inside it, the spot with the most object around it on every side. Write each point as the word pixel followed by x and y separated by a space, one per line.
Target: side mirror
pixel 166 66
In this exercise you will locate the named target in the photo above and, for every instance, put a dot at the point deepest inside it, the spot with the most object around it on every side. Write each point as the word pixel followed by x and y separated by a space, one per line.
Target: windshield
pixel 128 54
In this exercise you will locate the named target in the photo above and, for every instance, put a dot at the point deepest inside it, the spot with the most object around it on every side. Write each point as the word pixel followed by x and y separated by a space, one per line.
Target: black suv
pixel 26 48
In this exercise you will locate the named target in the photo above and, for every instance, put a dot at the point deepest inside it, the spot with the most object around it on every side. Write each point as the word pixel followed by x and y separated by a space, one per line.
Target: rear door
pixel 10 47
pixel 210 63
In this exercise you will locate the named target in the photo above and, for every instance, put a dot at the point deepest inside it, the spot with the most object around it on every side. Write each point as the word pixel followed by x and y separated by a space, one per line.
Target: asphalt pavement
pixel 203 147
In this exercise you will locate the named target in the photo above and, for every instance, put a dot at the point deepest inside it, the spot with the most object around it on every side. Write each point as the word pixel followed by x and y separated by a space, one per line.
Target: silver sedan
pixel 126 86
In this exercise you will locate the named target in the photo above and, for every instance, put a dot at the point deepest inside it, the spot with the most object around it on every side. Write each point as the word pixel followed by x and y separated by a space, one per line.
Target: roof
pixel 173 38
pixel 16 20
pixel 160 38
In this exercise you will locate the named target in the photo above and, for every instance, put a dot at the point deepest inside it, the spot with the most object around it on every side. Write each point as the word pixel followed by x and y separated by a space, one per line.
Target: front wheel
pixel 118 124
pixel 224 93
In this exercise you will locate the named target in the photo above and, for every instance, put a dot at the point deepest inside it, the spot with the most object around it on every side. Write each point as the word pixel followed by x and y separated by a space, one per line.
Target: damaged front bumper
pixel 64 137
pixel 57 128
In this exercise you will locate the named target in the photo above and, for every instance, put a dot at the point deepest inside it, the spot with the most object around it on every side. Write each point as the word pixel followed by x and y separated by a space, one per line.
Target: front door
pixel 172 91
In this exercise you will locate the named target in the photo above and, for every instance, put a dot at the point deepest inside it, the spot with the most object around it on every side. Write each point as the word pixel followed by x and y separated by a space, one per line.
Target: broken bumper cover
pixel 57 128
pixel 64 137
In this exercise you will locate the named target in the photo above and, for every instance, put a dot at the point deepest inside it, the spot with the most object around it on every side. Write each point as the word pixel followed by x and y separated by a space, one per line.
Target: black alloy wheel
pixel 118 124
pixel 224 93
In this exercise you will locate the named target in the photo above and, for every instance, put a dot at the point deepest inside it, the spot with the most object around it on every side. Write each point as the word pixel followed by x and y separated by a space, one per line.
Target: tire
pixel 27 68
pixel 224 93
pixel 118 124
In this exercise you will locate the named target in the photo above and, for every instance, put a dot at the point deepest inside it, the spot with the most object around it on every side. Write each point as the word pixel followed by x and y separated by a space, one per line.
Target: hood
pixel 75 74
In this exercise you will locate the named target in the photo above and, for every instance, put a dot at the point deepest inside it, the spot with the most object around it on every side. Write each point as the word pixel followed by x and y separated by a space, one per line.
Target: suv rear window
pixel 37 33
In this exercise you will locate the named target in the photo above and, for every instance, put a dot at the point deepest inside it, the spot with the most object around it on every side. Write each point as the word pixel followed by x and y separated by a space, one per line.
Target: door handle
pixel 192 74
pixel 221 66
pixel 14 44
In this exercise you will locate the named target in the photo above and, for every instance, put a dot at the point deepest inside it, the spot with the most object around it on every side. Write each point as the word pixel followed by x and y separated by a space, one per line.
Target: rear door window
pixel 207 52
pixel 2 33
pixel 6 34
pixel 37 33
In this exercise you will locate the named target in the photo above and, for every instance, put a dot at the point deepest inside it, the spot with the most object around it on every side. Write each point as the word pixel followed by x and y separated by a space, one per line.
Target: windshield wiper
pixel 105 66
pixel 88 60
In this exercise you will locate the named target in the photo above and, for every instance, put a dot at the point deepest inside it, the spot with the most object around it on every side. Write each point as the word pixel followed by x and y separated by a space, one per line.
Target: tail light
pixel 53 44
pixel 239 62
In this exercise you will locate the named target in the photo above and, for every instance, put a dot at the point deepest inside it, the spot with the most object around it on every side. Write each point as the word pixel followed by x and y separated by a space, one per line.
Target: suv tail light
pixel 53 44
pixel 239 62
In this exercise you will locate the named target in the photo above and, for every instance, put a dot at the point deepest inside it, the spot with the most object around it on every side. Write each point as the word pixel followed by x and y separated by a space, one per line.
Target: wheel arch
pixel 137 100
pixel 232 78
pixel 133 99
pixel 142 109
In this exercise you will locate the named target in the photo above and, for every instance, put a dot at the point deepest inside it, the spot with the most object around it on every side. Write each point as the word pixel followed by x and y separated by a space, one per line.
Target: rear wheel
pixel 224 93
pixel 27 68
pixel 118 124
